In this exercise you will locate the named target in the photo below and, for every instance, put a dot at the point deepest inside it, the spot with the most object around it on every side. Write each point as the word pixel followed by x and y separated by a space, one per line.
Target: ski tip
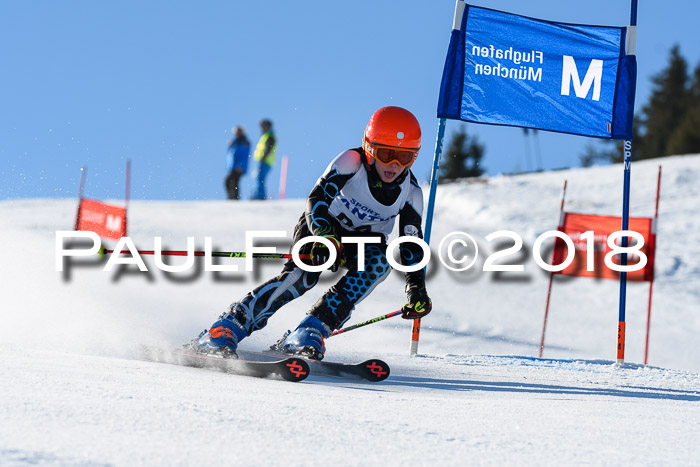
pixel 294 369
pixel 376 370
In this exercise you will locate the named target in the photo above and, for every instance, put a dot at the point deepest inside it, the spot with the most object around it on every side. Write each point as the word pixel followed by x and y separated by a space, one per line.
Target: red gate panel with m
pixel 105 220
pixel 575 225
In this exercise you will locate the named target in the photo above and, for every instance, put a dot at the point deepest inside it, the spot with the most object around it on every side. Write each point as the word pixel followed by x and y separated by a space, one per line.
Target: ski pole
pixel 223 254
pixel 365 323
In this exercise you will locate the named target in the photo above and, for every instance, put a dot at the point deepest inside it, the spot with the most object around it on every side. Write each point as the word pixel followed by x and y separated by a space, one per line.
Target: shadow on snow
pixel 518 387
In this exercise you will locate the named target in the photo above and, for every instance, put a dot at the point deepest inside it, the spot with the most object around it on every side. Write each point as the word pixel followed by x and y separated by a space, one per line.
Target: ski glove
pixel 419 304
pixel 321 254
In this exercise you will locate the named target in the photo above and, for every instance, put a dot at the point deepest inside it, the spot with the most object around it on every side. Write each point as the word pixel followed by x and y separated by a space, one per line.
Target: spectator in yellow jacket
pixel 265 153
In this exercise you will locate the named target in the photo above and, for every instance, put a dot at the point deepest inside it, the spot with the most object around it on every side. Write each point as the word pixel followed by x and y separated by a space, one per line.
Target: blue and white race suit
pixel 349 199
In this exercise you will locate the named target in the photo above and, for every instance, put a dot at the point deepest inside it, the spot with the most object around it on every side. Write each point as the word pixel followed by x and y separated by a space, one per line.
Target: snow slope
pixel 72 392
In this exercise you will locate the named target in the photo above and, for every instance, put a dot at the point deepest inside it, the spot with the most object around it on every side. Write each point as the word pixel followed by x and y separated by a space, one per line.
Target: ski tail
pixel 293 369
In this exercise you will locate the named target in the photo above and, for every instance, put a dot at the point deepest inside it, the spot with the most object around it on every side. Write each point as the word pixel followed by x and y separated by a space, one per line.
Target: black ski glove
pixel 320 253
pixel 419 304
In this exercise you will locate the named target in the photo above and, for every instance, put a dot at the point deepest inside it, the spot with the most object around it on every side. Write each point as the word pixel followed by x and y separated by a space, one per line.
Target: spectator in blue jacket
pixel 237 160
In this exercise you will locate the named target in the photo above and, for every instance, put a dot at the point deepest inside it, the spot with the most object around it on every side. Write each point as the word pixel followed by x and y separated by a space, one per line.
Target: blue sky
pixel 162 83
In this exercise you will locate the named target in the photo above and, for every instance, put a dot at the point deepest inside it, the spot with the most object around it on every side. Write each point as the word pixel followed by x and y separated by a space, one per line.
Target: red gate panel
pixel 603 226
pixel 105 220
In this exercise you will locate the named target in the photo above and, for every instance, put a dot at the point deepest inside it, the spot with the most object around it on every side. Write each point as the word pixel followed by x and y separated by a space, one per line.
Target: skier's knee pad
pixel 335 307
pixel 256 307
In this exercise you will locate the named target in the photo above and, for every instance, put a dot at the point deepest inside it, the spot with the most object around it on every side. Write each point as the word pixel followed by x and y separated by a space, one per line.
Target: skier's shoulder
pixel 413 179
pixel 413 186
pixel 415 193
pixel 347 162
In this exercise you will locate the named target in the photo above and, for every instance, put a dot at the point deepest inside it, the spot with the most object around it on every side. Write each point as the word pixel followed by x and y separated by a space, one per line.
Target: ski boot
pixel 221 339
pixel 307 340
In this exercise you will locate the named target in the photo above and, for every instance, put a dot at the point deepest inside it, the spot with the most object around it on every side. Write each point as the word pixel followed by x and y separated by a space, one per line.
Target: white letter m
pixel 593 76
pixel 114 223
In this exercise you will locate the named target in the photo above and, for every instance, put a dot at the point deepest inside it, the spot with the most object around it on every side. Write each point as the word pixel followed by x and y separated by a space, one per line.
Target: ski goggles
pixel 390 154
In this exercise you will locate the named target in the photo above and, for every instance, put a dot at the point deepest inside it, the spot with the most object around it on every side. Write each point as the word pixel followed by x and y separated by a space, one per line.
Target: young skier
pixel 360 194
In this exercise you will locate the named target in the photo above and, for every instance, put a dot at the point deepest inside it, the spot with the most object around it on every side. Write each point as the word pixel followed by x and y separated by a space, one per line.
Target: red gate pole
pixel 127 191
pixel 83 174
pixel 551 273
pixel 127 195
pixel 651 282
pixel 283 177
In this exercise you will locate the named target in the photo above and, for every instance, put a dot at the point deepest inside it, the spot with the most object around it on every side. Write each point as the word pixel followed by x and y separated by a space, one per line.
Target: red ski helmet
pixel 392 135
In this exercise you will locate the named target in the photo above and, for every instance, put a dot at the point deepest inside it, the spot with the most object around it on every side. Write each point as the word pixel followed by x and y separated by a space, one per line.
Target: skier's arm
pixel 410 219
pixel 326 189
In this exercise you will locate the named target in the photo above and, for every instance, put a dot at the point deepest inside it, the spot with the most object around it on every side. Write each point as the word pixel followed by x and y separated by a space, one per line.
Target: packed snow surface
pixel 73 392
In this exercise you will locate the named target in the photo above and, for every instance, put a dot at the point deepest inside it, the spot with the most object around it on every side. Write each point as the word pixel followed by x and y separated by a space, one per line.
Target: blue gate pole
pixel 623 256
pixel 415 333
pixel 625 225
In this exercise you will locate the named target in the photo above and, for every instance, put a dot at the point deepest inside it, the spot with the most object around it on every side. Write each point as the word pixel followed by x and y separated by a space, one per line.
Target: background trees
pixel 668 124
pixel 462 158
